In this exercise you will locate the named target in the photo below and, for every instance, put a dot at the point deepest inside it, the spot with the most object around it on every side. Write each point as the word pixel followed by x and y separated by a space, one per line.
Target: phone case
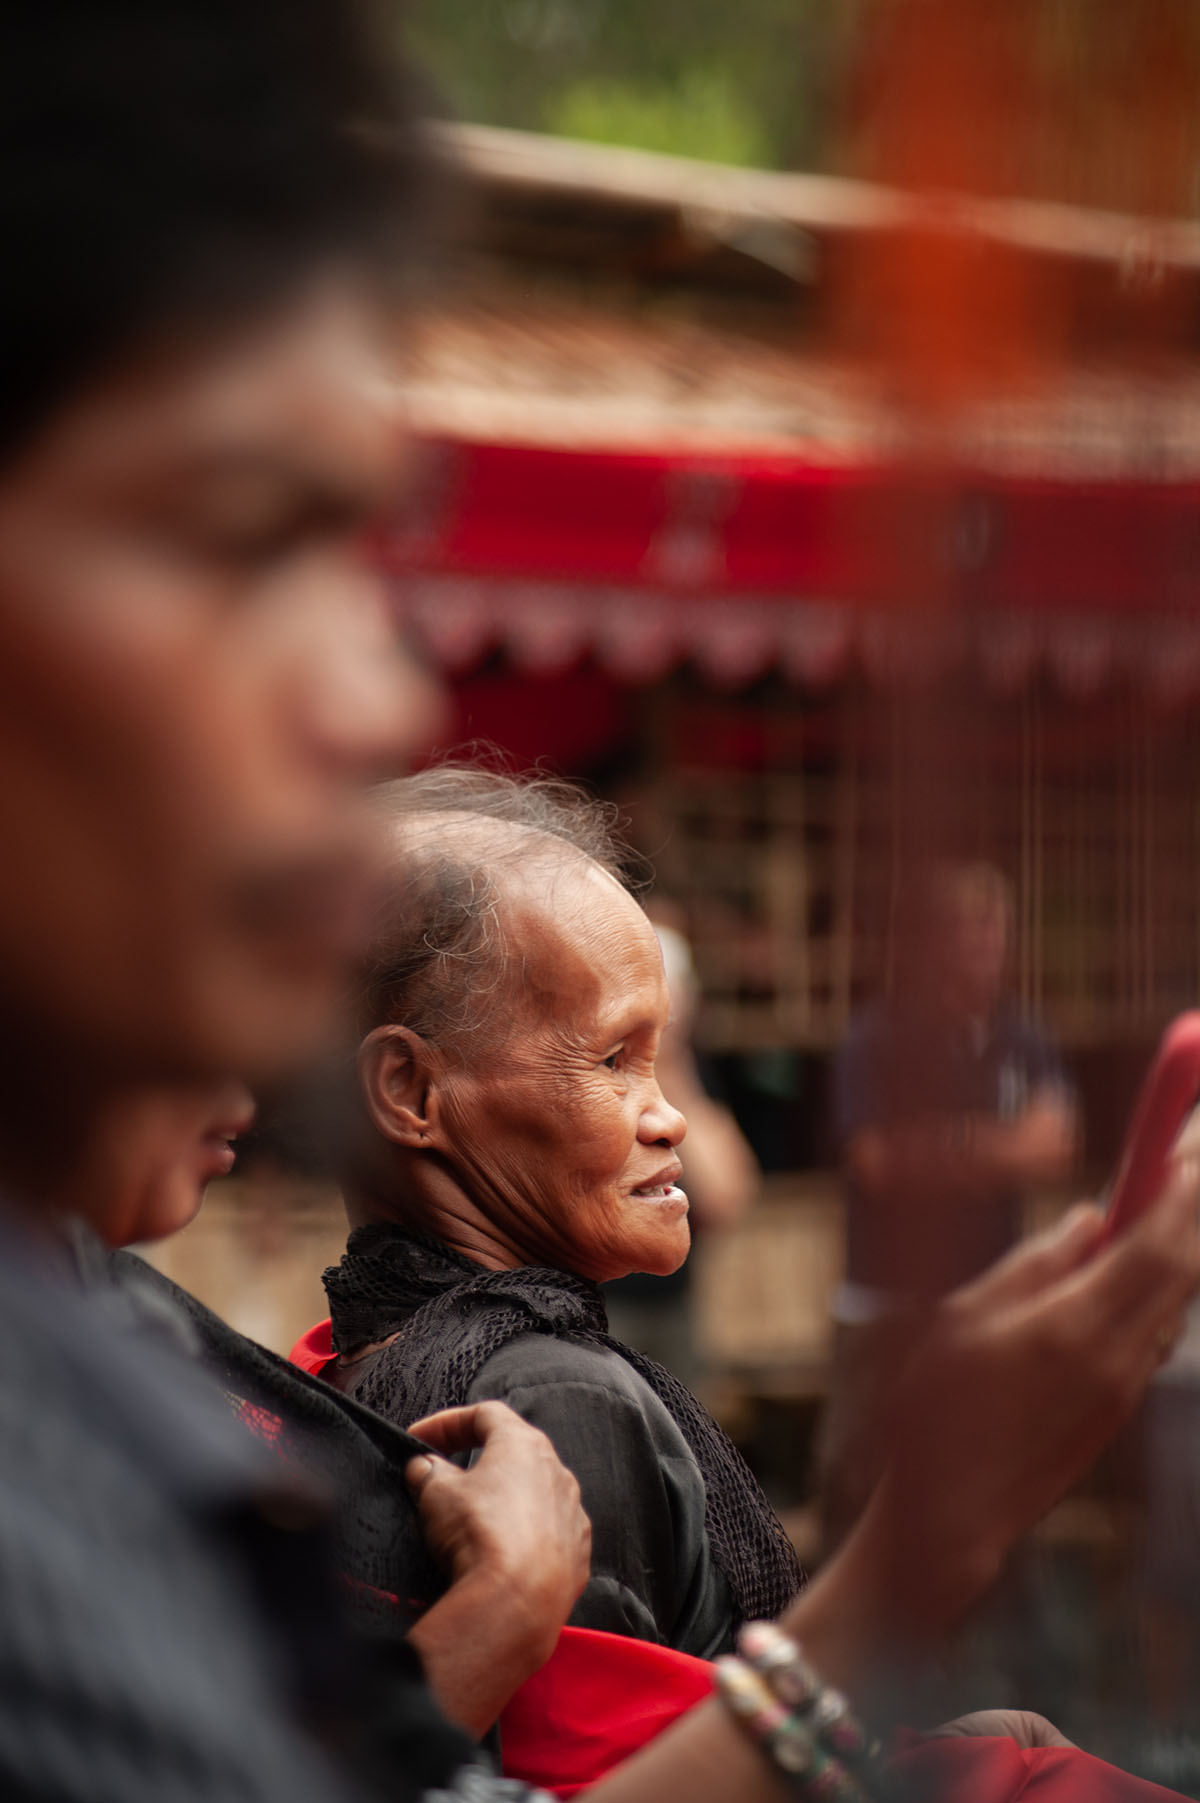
pixel 1168 1096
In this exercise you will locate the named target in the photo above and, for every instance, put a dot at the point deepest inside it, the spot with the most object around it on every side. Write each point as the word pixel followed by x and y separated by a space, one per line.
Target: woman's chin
pixel 171 1216
pixel 663 1254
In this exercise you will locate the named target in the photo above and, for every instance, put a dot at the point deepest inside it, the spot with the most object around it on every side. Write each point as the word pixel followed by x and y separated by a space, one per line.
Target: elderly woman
pixel 514 1151
pixel 518 1152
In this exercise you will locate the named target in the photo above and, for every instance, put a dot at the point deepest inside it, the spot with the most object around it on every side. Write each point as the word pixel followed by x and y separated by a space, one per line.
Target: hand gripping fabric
pixel 449 1317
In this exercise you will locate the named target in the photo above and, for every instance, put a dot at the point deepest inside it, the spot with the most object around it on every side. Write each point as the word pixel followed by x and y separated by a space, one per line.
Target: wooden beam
pixel 811 203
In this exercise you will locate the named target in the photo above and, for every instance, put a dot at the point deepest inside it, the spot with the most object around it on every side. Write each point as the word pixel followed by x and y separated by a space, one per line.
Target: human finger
pixel 419 1471
pixel 465 1429
pixel 1020 1725
pixel 1151 1271
pixel 1126 1311
pixel 1045 1259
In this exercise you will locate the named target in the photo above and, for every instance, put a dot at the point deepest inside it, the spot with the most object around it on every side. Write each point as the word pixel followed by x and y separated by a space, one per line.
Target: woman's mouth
pixel 218 1154
pixel 664 1188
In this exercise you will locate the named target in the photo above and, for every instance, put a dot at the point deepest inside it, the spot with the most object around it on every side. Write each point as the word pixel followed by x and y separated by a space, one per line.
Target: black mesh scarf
pixel 450 1316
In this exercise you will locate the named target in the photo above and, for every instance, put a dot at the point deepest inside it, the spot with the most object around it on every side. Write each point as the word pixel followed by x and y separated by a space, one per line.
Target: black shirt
pixel 653 1575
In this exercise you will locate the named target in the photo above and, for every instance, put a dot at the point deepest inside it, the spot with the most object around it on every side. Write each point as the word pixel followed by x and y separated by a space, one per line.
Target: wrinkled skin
pixel 512 1536
pixel 532 1150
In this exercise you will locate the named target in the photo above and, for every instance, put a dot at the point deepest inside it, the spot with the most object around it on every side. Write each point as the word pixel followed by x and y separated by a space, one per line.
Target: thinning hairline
pixel 551 845
pixel 507 880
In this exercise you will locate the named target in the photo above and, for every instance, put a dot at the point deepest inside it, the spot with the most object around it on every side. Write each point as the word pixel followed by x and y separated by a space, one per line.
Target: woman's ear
pixel 397 1071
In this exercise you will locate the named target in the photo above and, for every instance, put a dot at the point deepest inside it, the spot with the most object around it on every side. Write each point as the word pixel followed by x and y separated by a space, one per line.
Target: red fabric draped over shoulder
pixel 314 1349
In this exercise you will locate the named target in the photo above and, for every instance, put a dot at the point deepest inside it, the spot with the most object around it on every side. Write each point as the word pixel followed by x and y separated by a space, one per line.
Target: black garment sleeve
pixel 653 1575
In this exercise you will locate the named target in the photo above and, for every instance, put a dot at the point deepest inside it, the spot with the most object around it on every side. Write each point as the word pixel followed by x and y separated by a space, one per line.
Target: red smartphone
pixel 1168 1099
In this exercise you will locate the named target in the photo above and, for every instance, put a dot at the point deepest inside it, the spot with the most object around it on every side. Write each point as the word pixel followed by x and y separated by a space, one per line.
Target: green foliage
pixel 765 81
pixel 735 80
pixel 701 115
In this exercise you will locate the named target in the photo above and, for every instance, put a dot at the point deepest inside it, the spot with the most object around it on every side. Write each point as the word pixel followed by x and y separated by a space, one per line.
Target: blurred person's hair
pixel 934 895
pixel 179 164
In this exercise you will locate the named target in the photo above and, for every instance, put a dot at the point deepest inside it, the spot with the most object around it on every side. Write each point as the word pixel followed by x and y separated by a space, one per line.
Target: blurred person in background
pixel 720 1172
pixel 949 1109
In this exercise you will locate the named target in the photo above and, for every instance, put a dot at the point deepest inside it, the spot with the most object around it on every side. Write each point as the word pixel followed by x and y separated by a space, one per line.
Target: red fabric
pixel 314 1349
pixel 597 1699
pixel 600 1698
pixel 998 1771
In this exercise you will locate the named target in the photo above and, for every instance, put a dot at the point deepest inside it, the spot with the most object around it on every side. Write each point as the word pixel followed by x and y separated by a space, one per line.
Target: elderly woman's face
pixel 561 1134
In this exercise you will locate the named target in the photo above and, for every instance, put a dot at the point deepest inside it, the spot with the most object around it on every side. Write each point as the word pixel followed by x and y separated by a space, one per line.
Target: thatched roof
pixel 614 297
pixel 729 202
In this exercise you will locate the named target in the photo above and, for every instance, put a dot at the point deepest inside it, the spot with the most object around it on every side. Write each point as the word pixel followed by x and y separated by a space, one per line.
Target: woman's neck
pixel 439 1207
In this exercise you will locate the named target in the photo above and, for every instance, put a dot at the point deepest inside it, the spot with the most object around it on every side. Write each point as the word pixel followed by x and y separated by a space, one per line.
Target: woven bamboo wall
pixel 788 865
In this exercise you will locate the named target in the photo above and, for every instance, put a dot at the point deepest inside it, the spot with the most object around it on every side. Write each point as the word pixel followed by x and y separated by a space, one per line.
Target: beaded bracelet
pixel 784 1736
pixel 806 1727
pixel 782 1666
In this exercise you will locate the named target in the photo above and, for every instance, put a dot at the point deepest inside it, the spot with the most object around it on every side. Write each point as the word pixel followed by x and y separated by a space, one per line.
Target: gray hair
pixel 438 956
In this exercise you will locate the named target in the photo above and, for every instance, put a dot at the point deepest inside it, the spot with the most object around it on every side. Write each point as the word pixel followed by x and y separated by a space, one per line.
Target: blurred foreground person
pixel 147 1156
pixel 949 1109
pixel 515 1537
pixel 197 676
pixel 201 201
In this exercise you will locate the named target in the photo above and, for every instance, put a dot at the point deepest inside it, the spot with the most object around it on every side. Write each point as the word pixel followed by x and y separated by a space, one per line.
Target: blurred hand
pixel 1021 1725
pixel 1045 1139
pixel 1024 1378
pixel 511 1524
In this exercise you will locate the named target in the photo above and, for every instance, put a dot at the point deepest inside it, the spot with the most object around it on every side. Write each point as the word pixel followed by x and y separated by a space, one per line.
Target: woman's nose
pixel 661 1123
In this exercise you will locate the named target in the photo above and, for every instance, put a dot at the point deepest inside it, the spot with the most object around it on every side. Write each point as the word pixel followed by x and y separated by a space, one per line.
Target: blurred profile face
pixel 149 1155
pixel 562 1135
pixel 197 677
pixel 973 950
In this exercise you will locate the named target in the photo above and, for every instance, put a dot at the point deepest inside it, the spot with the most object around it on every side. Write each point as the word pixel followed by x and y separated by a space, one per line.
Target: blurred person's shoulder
pixel 1023 1034
pixel 123 1480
